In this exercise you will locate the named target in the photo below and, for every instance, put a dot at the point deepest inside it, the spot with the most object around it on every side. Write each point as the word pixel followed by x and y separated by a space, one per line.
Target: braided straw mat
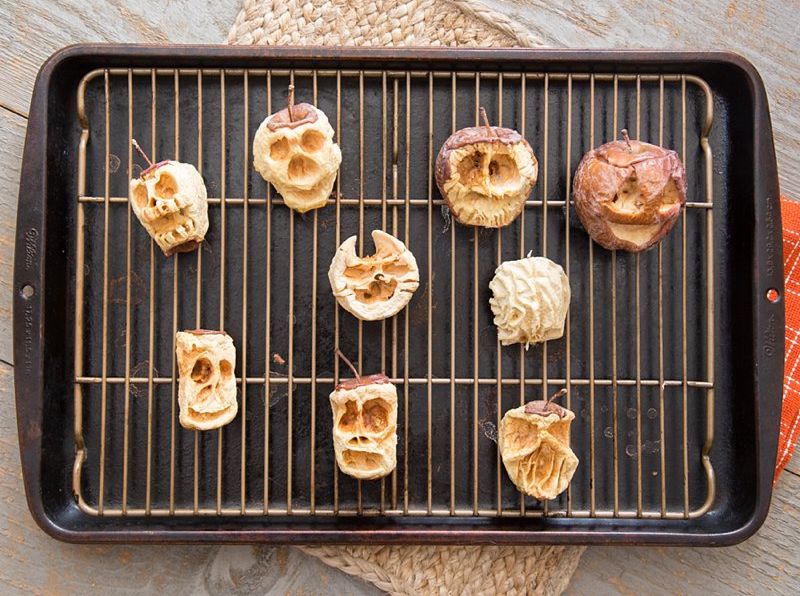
pixel 413 569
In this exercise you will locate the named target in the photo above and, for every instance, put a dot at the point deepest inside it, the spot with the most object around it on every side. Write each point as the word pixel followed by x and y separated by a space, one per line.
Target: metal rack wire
pixel 454 384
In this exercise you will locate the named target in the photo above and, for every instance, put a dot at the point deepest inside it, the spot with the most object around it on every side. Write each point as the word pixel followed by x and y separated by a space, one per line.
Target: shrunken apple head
pixel 485 174
pixel 628 194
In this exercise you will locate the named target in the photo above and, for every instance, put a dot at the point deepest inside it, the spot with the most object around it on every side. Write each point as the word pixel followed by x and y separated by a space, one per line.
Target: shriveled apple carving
pixel 294 151
pixel 534 443
pixel 628 194
pixel 206 384
pixel 169 199
pixel 365 425
pixel 485 174
pixel 530 299
pixel 377 286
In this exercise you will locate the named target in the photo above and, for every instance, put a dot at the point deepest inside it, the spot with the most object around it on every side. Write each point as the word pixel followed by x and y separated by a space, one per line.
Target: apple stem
pixel 344 358
pixel 555 396
pixel 290 101
pixel 627 139
pixel 486 121
pixel 141 152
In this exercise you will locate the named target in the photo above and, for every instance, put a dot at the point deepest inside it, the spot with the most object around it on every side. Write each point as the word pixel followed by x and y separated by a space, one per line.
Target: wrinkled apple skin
pixel 629 196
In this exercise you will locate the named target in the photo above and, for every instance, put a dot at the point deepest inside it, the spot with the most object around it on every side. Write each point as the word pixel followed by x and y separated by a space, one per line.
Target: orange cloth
pixel 790 416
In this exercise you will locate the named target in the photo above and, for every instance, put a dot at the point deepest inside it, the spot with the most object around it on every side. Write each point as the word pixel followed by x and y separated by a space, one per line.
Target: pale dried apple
pixel 534 444
pixel 377 286
pixel 530 299
pixel 206 380
pixel 293 149
pixel 628 194
pixel 365 426
pixel 485 174
pixel 169 199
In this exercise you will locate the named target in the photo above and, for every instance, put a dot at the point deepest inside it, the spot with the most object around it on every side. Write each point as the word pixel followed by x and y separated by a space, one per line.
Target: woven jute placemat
pixel 413 569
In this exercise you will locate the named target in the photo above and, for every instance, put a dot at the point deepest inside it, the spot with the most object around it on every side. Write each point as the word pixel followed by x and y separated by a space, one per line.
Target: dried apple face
pixel 365 426
pixel 628 195
pixel 485 175
pixel 530 299
pixel 206 384
pixel 297 156
pixel 169 199
pixel 534 443
pixel 377 286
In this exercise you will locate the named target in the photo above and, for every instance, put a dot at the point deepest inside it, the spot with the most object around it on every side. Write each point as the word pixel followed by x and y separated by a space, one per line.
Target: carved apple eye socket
pixel 166 187
pixel 140 196
pixel 301 167
pixel 502 169
pixel 312 141
pixel 360 271
pixel 349 419
pixel 470 169
pixel 628 198
pixel 397 268
pixel 376 415
pixel 201 371
pixel 225 369
pixel 279 149
pixel 671 194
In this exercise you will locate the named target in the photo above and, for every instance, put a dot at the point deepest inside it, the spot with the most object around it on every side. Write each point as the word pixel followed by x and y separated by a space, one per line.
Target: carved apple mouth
pixel 362 461
pixel 378 290
pixel 637 219
pixel 203 416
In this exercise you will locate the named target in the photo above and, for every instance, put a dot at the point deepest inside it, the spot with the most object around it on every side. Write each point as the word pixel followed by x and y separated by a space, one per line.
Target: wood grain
pixel 768 563
pixel 12 139
pixel 30 30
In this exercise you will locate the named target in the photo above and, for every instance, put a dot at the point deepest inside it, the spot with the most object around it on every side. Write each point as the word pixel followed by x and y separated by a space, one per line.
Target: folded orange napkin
pixel 790 416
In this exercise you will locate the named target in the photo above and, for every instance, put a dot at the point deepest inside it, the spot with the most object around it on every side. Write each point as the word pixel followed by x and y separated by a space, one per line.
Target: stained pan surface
pixel 673 359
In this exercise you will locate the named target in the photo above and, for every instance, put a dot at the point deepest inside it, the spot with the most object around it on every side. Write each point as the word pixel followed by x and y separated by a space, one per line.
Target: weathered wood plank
pixel 34 563
pixel 768 563
pixel 12 138
pixel 31 30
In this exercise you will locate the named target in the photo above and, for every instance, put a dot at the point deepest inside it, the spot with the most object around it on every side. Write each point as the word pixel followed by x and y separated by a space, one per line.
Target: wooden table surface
pixel 30 30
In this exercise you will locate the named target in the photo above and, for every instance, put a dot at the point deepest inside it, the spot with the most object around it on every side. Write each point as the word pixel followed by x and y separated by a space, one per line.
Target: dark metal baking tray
pixel 673 358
